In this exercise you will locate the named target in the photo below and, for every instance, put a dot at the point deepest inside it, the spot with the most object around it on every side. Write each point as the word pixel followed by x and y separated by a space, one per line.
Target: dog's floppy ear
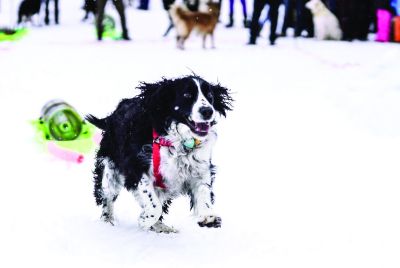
pixel 222 99
pixel 156 100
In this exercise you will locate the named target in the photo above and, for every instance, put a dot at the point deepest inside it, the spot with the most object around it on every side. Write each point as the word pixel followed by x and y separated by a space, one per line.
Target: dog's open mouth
pixel 199 128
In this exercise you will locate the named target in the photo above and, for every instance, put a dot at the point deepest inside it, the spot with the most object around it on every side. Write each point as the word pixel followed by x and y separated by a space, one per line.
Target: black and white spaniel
pixel 158 145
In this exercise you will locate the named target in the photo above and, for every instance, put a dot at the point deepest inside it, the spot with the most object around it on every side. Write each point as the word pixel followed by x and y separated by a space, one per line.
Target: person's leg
pixel 364 19
pixel 299 26
pixel 351 13
pixel 308 22
pixel 230 23
pixel 167 4
pixel 101 4
pixel 244 9
pixel 46 18
pixel 119 5
pixel 255 24
pixel 273 16
pixel 56 11
pixel 144 4
pixel 288 17
pixel 332 6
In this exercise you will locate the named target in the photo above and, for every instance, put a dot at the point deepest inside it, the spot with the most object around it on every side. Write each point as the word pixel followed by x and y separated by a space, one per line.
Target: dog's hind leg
pixel 204 41
pixel 212 40
pixel 107 185
pixel 182 41
pixel 179 42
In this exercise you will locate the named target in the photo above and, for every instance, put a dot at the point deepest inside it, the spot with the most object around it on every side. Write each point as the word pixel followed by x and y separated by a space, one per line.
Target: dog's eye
pixel 187 95
pixel 210 96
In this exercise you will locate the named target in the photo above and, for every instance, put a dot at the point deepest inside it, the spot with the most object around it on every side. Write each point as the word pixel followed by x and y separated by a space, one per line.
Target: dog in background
pixel 192 5
pixel 28 9
pixel 326 25
pixel 158 145
pixel 186 21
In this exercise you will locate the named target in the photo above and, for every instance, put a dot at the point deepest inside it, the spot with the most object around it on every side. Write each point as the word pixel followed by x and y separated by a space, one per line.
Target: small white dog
pixel 326 25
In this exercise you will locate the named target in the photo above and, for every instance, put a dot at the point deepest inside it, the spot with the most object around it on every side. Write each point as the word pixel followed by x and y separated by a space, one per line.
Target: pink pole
pixel 65 154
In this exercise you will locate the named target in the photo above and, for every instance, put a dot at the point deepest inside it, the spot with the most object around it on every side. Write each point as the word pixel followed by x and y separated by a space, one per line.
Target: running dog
pixel 158 146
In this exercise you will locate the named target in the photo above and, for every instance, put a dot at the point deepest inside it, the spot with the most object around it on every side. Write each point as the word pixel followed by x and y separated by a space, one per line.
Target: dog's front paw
pixel 209 221
pixel 107 219
pixel 160 227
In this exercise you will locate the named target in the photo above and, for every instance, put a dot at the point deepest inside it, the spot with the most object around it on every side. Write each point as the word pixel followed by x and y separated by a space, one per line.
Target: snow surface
pixel 308 160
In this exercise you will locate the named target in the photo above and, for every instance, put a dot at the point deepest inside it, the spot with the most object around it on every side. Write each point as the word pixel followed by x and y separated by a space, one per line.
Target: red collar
pixel 157 143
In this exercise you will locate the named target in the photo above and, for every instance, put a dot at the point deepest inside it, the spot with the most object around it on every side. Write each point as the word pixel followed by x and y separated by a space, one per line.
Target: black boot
pixel 252 41
pixel 272 40
pixel 99 33
pixel 230 24
pixel 246 23
pixel 125 35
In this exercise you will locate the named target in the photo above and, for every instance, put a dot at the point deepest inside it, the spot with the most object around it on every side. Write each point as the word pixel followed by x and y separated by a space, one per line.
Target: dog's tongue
pixel 202 127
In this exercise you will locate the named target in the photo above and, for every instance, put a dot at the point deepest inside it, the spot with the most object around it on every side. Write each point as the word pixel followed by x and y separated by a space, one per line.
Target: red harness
pixel 157 143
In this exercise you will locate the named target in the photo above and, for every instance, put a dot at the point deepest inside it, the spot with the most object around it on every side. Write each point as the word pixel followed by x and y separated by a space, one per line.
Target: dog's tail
pixel 177 13
pixel 100 123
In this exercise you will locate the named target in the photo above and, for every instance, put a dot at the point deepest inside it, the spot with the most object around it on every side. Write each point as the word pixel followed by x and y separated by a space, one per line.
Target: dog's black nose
pixel 206 112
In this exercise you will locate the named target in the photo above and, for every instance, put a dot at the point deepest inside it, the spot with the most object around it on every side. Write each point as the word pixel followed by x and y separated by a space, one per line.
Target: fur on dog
pixel 178 110
pixel 186 21
pixel 326 25
pixel 27 9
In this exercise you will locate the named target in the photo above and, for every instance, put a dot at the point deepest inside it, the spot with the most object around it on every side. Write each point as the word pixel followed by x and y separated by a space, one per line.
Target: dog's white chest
pixel 178 168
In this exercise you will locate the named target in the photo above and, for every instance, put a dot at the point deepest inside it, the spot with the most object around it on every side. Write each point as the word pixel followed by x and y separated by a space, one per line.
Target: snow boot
pixel 230 24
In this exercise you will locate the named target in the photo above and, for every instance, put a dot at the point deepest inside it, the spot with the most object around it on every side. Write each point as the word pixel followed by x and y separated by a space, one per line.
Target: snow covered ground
pixel 308 160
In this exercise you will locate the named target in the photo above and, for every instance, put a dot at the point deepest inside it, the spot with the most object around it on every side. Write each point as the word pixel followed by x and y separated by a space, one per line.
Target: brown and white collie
pixel 186 21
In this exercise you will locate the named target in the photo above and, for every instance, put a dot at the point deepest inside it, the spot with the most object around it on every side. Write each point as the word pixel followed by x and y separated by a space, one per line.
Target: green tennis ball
pixel 190 143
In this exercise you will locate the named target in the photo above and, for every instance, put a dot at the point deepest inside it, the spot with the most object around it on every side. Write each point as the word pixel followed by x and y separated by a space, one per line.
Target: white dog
pixel 326 25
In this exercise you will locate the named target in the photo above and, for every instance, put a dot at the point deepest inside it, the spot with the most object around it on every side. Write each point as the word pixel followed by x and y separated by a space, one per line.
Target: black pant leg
pixel 101 4
pixel 273 16
pixel 299 27
pixel 288 19
pixel 46 18
pixel 255 20
pixel 56 11
pixel 144 4
pixel 119 5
